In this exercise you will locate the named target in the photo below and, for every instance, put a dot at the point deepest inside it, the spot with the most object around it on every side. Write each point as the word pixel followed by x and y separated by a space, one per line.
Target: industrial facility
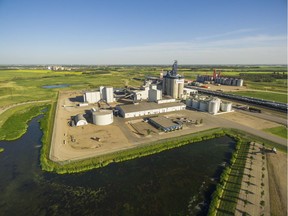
pixel 148 108
pixel 173 83
pixel 164 124
pixel 216 78
pixel 102 117
pixel 212 105
pixel 104 93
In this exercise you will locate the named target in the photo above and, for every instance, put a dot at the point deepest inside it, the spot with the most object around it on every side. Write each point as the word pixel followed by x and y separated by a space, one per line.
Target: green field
pixel 16 124
pixel 1 150
pixel 278 97
pixel 280 131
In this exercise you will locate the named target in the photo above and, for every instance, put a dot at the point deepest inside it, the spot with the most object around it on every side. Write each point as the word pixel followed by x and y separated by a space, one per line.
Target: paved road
pixel 266 116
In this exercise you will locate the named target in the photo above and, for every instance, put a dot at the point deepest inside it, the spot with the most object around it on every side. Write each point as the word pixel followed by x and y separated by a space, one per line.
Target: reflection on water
pixel 55 86
pixel 176 182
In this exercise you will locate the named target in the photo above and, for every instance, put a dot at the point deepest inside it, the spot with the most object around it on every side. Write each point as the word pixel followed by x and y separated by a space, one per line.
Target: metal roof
pixel 143 106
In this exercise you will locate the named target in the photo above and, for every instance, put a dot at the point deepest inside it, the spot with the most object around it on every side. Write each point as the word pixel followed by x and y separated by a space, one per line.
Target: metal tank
pixel 214 106
pixel 195 104
pixel 240 82
pixel 203 105
pixel 188 102
pixel 103 117
pixel 226 107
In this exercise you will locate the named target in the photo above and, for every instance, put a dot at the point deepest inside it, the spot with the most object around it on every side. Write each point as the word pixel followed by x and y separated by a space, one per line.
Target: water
pixel 175 182
pixel 56 86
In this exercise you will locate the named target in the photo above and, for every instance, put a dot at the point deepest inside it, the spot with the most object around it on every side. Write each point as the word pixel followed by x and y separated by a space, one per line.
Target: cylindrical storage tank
pixel 240 82
pixel 226 107
pixel 203 105
pixel 103 117
pixel 180 89
pixel 213 107
pixel 195 104
pixel 188 102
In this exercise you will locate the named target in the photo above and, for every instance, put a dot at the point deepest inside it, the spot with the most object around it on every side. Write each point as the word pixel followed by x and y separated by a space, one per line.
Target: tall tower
pixel 173 83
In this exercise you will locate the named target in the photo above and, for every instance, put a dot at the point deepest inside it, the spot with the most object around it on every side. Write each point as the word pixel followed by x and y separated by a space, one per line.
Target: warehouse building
pixel 148 108
pixel 164 124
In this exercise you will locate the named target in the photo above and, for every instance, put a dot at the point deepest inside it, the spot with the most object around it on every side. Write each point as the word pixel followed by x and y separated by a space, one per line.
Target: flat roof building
pixel 164 124
pixel 148 108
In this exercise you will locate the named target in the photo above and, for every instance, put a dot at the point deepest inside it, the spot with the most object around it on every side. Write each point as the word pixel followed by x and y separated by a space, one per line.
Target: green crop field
pixel 272 96
pixel 280 131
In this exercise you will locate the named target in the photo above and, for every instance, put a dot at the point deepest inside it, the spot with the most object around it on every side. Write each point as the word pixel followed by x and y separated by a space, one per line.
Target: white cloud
pixel 253 50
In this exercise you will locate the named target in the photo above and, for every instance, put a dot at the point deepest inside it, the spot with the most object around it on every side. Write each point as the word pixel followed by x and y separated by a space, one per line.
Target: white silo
pixel 108 94
pixel 240 82
pixel 226 107
pixel 203 105
pixel 214 106
pixel 102 117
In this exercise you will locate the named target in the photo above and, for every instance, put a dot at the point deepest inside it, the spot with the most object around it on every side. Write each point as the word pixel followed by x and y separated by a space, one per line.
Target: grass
pixel 230 196
pixel 1 150
pixel 16 124
pixel 280 131
pixel 264 95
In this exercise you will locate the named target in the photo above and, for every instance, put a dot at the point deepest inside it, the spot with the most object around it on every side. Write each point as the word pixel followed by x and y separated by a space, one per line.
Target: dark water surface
pixel 56 86
pixel 174 182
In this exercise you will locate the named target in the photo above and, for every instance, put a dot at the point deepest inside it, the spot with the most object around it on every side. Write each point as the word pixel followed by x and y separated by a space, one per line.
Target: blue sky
pixel 143 32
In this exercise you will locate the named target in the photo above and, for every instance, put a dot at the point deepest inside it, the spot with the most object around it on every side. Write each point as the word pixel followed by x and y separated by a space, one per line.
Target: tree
pixel 201 121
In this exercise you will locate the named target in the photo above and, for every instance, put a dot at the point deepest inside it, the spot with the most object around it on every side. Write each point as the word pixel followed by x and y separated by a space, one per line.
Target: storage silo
pixel 214 106
pixel 203 105
pixel 195 104
pixel 107 94
pixel 226 107
pixel 189 102
pixel 240 82
pixel 102 117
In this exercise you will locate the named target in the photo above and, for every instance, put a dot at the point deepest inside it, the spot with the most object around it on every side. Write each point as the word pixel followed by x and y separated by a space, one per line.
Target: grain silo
pixel 102 117
pixel 195 104
pixel 203 105
pixel 226 107
pixel 240 82
pixel 189 102
pixel 214 106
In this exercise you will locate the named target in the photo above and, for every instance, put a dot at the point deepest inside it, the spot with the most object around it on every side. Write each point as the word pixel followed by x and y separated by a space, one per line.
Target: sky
pixel 143 31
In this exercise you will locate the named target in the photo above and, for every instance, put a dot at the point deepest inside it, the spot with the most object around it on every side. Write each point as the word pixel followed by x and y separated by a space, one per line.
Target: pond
pixel 56 86
pixel 176 182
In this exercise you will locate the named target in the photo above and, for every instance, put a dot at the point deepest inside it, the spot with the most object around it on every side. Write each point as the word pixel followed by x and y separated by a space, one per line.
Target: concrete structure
pixel 170 100
pixel 214 106
pixel 173 83
pixel 187 92
pixel 203 105
pixel 226 107
pixel 140 95
pixel 80 120
pixel 102 117
pixel 148 108
pixel 154 95
pixel 107 94
pixel 91 96
pixel 164 124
